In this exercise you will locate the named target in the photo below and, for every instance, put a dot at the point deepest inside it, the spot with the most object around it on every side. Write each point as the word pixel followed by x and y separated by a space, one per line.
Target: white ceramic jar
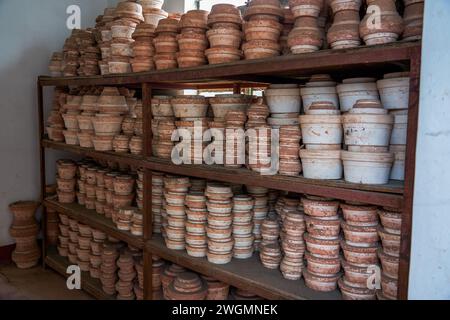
pixel 354 89
pixel 394 92
pixel 321 164
pixel 367 124
pixel 367 167
pixel 283 98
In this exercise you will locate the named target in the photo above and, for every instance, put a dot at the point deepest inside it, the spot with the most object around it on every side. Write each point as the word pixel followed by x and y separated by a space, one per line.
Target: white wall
pixel 430 256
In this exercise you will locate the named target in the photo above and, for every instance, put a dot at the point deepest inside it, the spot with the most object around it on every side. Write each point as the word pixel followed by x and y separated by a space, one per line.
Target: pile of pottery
pixel 63 237
pixel 260 211
pixel 124 218
pixel 288 24
pixel 128 15
pixel 138 288
pixel 360 251
pixel 197 213
pixel 413 19
pixel 66 171
pixel 320 88
pixel 368 128
pixel 71 235
pixel 83 250
pixel 108 276
pixel 168 276
pixel 95 258
pixel 123 197
pixel 224 35
pixel 220 220
pixel 223 103
pixel 243 226
pixel 106 38
pixel 389 254
pixel 216 290
pixel 52 226
pixel 157 200
pixel 257 114
pixel 234 136
pixel 322 136
pixel 71 110
pixel 389 24
pixel 163 126
pixel 306 35
pixel 322 243
pixel 175 190
pixel 126 274
pixel 262 29
pixel 344 33
pixel 187 286
pixel 270 251
pixel 290 137
pixel 71 54
pixel 394 94
pixel 354 89
pixel 259 150
pixel 24 230
pixel 152 11
pixel 166 44
pixel 88 108
pixel 192 40
pixel 89 54
pixel 55 122
pixel 292 240
pixel 157 269
pixel 143 50
pixel 136 144
pixel 55 65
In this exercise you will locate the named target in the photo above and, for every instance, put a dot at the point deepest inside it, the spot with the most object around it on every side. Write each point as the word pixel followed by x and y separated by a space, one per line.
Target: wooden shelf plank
pixel 303 64
pixel 88 284
pixel 247 274
pixel 91 218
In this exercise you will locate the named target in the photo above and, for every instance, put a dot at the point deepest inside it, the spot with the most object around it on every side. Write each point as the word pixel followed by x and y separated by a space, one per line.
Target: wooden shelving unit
pixel 363 61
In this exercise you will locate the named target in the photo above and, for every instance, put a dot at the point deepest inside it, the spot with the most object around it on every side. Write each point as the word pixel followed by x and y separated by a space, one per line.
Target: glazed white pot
pixel 400 129
pixel 321 165
pixel 349 92
pixel 394 93
pixel 398 168
pixel 367 168
pixel 283 98
pixel 316 94
pixel 321 129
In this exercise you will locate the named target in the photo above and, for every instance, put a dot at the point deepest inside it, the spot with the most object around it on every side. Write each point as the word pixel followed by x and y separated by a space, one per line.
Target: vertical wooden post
pixel 413 121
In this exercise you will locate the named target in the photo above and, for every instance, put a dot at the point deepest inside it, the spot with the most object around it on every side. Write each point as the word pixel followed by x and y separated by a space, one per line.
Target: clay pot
pixel 321 283
pixel 222 54
pixel 365 236
pixel 354 89
pixel 389 286
pixel 323 228
pixel 188 59
pixel 390 242
pixel 391 221
pixel 360 255
pixel 194 19
pixel 305 36
pixel 107 125
pixel 367 167
pixel 224 13
pixel 260 49
pixel 354 293
pixel 344 33
pixel 360 215
pixel 328 249
pixel 262 30
pixel 103 143
pixel 224 38
pixel 317 207
pixel 24 212
pixel 322 266
pixel 264 7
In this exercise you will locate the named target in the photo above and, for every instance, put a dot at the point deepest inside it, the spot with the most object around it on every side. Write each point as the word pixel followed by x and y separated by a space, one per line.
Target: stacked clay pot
pixel 259 151
pixel 175 190
pixel 143 50
pixel 270 252
pixel 71 110
pixel 24 230
pixel 168 276
pixel 89 54
pixel 224 35
pixel 158 266
pixel 243 226
pixel 354 89
pixel 413 19
pixel 55 65
pixel 163 126
pixel 126 274
pixel 66 171
pixel 306 35
pixel 234 156
pixel 152 11
pixel 192 40
pixel 55 122
pixel 389 254
pixel 290 137
pixel 106 38
pixel 260 211
pixel 138 288
pixel 344 33
pixel 111 106
pixel 95 258
pixel 368 128
pixel 83 249
pixel 219 228
pixel 72 242
pixel 108 268
pixel 197 215
pixel 123 197
pixel 360 251
pixel 257 114
pixel 262 29
pixel 322 243
pixel 389 24
pixel 71 54
pixel 157 200
pixel 292 240
pixel 63 237
pixel 166 44
pixel 88 108
pixel 136 143
pixel 319 88
pixel 322 135
pixel 124 218
pixel 137 224
pixel 187 286
pixel 216 290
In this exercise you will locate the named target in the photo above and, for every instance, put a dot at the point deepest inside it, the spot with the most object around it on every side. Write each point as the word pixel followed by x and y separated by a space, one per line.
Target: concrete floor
pixel 35 284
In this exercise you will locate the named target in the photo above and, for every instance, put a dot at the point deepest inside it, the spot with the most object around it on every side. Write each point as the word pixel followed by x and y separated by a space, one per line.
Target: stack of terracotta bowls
pixel 413 18
pixel 143 50
pixel 368 128
pixel 168 276
pixel 257 114
pixel 360 251
pixel 138 288
pixel 163 126
pixel 175 190
pixel 322 136
pixel 105 39
pixel 292 239
pixel 124 218
pixel 322 243
pixel 306 35
pixel 127 274
pixel 55 122
pixel 55 65
pixel 243 226
pixel 216 290
pixel 157 200
pixel 260 210
pixel 63 244
pixel 290 137
pixel 123 197
pixel 192 41
pixel 394 94
pixel 389 254
pixel 136 144
pixel 270 255
pixel 66 170
pixel 83 250
pixel 152 10
pixel 344 33
pixel 108 269
pixel 158 266
pixel 87 186
pixel 89 54
pixel 71 110
pixel 140 189
pixel 166 44
pixel 197 213
pixel 88 108
pixel 71 55
pixel 72 243
pixel 95 258
pixel 108 122
pixel 262 29
pixel 389 28
pixel 219 229
pixel 109 193
pixel 259 151
pixel 270 230
pixel 234 136
pixel 24 230
pixel 225 36
pixel 187 286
